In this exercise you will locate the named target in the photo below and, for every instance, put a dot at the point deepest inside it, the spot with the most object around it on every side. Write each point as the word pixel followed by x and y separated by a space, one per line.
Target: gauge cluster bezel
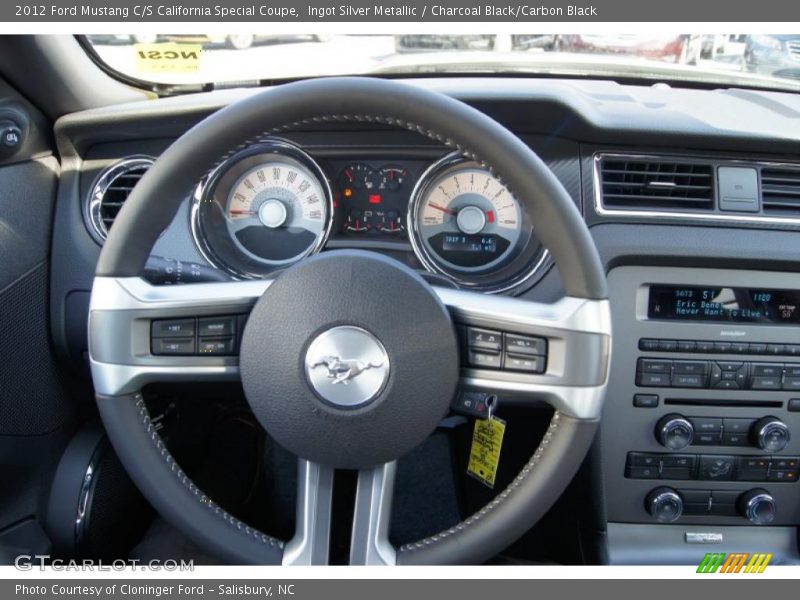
pixel 527 256
pixel 210 199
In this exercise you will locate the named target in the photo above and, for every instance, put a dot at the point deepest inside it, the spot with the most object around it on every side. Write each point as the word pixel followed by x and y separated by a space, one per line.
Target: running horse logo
pixel 342 370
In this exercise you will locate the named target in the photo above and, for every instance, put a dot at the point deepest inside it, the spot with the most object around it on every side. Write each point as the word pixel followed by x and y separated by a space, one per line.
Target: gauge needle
pixel 242 212
pixel 449 211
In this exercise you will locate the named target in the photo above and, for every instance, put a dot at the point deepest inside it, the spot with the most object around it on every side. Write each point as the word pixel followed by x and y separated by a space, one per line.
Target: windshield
pixel 765 61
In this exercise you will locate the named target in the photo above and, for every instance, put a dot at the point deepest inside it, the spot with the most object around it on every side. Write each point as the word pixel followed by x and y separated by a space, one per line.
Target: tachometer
pixel 263 209
pixel 466 224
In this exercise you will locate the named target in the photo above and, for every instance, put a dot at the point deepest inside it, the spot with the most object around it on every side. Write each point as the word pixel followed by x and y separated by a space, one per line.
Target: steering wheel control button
pixel 221 326
pixel 215 346
pixel 484 339
pixel 173 328
pixel 347 366
pixel 339 372
pixel 523 344
pixel 485 360
pixel 174 346
pixel 526 364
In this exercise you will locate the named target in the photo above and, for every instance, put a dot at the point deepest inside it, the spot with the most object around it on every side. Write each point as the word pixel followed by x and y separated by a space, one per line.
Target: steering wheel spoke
pixel 369 543
pixel 532 352
pixel 311 540
pixel 142 333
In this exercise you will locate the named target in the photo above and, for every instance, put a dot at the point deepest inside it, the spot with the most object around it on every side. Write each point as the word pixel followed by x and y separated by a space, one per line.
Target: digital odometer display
pixel 724 304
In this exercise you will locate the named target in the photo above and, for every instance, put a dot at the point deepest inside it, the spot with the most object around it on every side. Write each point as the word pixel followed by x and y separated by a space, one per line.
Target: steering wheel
pixel 407 323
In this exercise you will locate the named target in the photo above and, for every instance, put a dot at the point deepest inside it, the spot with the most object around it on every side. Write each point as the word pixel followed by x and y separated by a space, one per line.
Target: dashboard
pixel 692 198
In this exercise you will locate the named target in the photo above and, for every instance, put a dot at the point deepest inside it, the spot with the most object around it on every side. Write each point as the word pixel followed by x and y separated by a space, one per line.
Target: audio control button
pixel 674 431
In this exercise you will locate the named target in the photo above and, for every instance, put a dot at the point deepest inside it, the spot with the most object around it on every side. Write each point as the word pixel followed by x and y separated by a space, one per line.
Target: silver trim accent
pixel 103 181
pixel 578 332
pixel 86 493
pixel 207 184
pixel 662 432
pixel 702 537
pixel 750 508
pixel 602 210
pixel 369 542
pixel 429 262
pixel 775 424
pixel 652 505
pixel 311 540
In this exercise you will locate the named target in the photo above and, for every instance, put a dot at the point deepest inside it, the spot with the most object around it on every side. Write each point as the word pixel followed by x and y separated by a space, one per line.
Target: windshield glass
pixel 759 60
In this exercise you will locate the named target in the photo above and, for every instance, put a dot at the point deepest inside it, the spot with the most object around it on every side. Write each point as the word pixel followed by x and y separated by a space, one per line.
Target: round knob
pixel 665 504
pixel 770 434
pixel 674 431
pixel 758 506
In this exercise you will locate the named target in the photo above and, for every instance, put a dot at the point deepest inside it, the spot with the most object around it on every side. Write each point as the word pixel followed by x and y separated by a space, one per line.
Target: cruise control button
pixel 485 360
pixel 221 326
pixel 522 344
pixel 528 364
pixel 173 328
pixel 215 346
pixel 485 339
pixel 182 346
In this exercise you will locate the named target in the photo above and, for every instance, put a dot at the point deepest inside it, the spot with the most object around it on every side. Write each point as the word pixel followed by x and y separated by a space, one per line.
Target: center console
pixel 701 428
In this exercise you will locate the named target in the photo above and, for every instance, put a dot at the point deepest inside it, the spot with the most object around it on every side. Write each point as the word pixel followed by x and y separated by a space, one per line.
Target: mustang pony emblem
pixel 343 370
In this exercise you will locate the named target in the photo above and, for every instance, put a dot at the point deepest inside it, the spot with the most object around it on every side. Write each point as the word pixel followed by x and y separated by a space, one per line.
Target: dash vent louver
pixel 111 190
pixel 653 183
pixel 780 191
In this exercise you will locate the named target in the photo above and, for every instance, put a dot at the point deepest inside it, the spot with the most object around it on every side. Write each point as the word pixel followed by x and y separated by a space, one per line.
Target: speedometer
pixel 466 224
pixel 264 209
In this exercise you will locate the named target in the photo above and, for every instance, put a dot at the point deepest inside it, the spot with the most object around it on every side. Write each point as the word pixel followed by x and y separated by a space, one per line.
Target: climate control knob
pixel 758 506
pixel 664 504
pixel 674 431
pixel 770 434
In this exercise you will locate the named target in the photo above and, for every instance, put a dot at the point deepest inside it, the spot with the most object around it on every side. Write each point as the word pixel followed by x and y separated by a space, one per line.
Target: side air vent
pixel 780 191
pixel 111 190
pixel 655 183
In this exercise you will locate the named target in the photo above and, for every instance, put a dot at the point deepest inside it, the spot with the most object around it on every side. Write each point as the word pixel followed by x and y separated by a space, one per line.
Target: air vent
pixel 111 190
pixel 655 183
pixel 780 191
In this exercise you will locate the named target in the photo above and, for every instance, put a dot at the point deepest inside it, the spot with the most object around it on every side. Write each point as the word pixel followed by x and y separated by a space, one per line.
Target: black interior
pixel 49 426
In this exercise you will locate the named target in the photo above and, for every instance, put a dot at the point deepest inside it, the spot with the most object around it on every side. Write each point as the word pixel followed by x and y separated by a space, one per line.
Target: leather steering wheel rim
pixel 156 199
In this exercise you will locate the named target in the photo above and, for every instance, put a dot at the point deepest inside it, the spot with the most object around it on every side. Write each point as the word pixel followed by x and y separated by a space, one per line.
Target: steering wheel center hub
pixel 349 359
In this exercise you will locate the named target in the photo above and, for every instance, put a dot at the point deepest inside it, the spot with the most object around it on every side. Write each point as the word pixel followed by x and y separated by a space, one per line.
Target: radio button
pixel 652 380
pixel 739 348
pixel 688 381
pixel 648 344
pixel 645 400
pixel 690 367
pixel 726 365
pixel 757 349
pixel 707 439
pixel 792 384
pixel 723 347
pixel 792 349
pixel 775 348
pixel 706 424
pixel 767 369
pixel 687 346
pixel 667 345
pixel 726 385
pixel 651 365
pixel 792 370
pixel 765 383
pixel 703 346
pixel 793 405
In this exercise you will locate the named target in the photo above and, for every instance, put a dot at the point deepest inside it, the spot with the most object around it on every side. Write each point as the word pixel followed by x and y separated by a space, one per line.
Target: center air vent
pixel 111 190
pixel 780 190
pixel 652 183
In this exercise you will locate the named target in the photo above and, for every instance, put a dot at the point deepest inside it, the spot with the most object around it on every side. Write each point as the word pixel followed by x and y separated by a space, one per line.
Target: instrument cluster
pixel 271 205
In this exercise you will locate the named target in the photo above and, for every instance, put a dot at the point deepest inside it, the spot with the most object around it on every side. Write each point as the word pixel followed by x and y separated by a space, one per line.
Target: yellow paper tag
pixel 484 455
pixel 167 58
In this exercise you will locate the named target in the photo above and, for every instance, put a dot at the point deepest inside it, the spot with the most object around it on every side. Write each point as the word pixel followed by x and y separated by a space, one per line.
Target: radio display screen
pixel 724 304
